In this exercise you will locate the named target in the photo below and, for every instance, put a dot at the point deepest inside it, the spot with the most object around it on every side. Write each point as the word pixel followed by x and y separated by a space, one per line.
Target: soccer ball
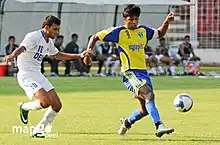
pixel 183 102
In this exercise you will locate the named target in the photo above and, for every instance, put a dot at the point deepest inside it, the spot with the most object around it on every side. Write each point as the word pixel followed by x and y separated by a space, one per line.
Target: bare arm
pixel 164 27
pixel 69 56
pixel 92 42
pixel 15 53
pixel 66 56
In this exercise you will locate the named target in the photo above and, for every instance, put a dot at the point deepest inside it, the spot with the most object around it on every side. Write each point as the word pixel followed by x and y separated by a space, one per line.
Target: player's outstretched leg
pixel 23 114
pixel 135 116
pixel 147 93
pixel 25 107
pixel 49 115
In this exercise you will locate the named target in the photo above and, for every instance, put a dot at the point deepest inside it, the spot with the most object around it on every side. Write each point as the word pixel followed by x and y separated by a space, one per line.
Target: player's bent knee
pixel 57 106
pixel 148 96
pixel 45 103
pixel 143 111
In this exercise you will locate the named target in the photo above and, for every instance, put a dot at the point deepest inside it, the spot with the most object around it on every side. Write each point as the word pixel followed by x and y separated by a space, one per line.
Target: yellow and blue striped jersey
pixel 130 44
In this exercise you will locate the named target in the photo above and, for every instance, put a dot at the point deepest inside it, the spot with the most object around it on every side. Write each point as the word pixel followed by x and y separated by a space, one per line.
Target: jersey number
pixel 38 55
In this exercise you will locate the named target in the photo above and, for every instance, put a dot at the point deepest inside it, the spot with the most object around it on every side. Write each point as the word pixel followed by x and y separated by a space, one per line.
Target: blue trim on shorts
pixel 141 76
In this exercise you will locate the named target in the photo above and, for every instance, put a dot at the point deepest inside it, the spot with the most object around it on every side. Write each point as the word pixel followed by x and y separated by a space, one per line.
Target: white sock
pixel 34 105
pixel 153 71
pixel 116 65
pixel 48 117
pixel 172 70
pixel 106 64
pixel 160 69
pixel 185 63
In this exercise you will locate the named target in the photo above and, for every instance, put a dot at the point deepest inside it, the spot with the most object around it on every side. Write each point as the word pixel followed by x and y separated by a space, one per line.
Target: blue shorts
pixel 135 79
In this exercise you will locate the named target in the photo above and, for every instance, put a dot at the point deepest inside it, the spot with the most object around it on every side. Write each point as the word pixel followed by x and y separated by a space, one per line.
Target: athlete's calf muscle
pixel 44 98
pixel 56 103
pixel 146 93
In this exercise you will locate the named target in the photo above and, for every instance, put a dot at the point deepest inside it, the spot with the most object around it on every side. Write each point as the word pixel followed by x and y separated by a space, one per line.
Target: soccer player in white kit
pixel 29 55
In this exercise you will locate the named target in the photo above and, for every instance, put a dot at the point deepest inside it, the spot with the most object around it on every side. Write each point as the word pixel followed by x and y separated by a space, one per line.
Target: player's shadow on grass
pixel 176 138
pixel 181 139
pixel 101 133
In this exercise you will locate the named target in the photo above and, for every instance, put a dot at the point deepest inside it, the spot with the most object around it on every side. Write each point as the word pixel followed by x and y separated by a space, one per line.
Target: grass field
pixel 92 108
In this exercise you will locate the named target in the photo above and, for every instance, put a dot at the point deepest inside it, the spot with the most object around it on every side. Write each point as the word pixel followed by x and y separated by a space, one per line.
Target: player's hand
pixel 9 58
pixel 170 17
pixel 85 53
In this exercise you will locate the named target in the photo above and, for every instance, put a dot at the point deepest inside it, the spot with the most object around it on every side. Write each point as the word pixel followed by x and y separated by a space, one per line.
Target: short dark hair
pixel 50 20
pixel 187 36
pixel 131 10
pixel 74 35
pixel 11 37
pixel 162 39
pixel 60 36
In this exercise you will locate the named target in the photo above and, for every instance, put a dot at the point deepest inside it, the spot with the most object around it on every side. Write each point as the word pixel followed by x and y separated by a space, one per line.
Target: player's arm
pixel 164 27
pixel 69 56
pixel 92 42
pixel 109 35
pixel 15 53
pixel 29 42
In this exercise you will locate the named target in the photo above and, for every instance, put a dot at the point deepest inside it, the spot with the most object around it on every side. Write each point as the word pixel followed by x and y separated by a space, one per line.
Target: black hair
pixel 162 39
pixel 131 10
pixel 60 36
pixel 50 20
pixel 74 35
pixel 11 37
pixel 187 36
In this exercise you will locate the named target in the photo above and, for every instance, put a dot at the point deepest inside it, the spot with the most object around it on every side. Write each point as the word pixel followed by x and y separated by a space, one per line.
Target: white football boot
pixel 162 129
pixel 123 129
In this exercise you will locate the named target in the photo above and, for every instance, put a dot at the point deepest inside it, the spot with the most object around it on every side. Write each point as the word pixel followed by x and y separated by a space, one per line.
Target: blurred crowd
pixel 161 60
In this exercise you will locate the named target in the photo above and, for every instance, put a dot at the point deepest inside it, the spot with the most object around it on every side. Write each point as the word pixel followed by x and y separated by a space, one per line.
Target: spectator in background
pixel 187 54
pixel 166 59
pixel 11 46
pixel 87 68
pixel 161 57
pixel 113 60
pixel 103 57
pixel 72 47
pixel 150 60
pixel 54 63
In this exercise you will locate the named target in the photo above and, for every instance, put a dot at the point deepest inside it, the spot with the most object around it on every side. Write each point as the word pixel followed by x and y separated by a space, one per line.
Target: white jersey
pixel 36 49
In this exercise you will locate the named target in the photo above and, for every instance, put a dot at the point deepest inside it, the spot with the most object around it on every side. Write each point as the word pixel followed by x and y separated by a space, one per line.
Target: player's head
pixel 162 41
pixel 158 51
pixel 131 15
pixel 187 39
pixel 11 40
pixel 74 37
pixel 59 40
pixel 106 43
pixel 51 25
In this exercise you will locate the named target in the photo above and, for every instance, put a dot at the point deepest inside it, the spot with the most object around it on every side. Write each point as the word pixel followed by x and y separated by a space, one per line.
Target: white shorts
pixel 176 56
pixel 31 82
pixel 158 57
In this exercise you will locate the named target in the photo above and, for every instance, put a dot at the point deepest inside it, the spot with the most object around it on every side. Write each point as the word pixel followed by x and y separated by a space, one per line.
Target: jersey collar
pixel 42 33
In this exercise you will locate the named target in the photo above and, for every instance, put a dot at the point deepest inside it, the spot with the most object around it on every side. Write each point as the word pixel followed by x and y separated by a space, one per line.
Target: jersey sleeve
pixel 110 34
pixel 52 50
pixel 151 32
pixel 30 41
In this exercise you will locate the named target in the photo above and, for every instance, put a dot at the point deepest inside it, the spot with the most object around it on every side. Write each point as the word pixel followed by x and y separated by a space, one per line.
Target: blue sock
pixel 153 112
pixel 135 116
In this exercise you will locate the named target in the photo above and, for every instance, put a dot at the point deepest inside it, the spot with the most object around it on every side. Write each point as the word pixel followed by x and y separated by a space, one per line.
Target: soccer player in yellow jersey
pixel 131 39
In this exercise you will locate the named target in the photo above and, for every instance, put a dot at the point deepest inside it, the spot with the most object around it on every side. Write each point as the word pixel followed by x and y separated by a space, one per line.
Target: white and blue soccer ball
pixel 183 102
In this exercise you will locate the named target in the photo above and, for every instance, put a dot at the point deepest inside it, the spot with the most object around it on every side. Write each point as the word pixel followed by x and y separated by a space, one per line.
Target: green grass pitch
pixel 92 108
